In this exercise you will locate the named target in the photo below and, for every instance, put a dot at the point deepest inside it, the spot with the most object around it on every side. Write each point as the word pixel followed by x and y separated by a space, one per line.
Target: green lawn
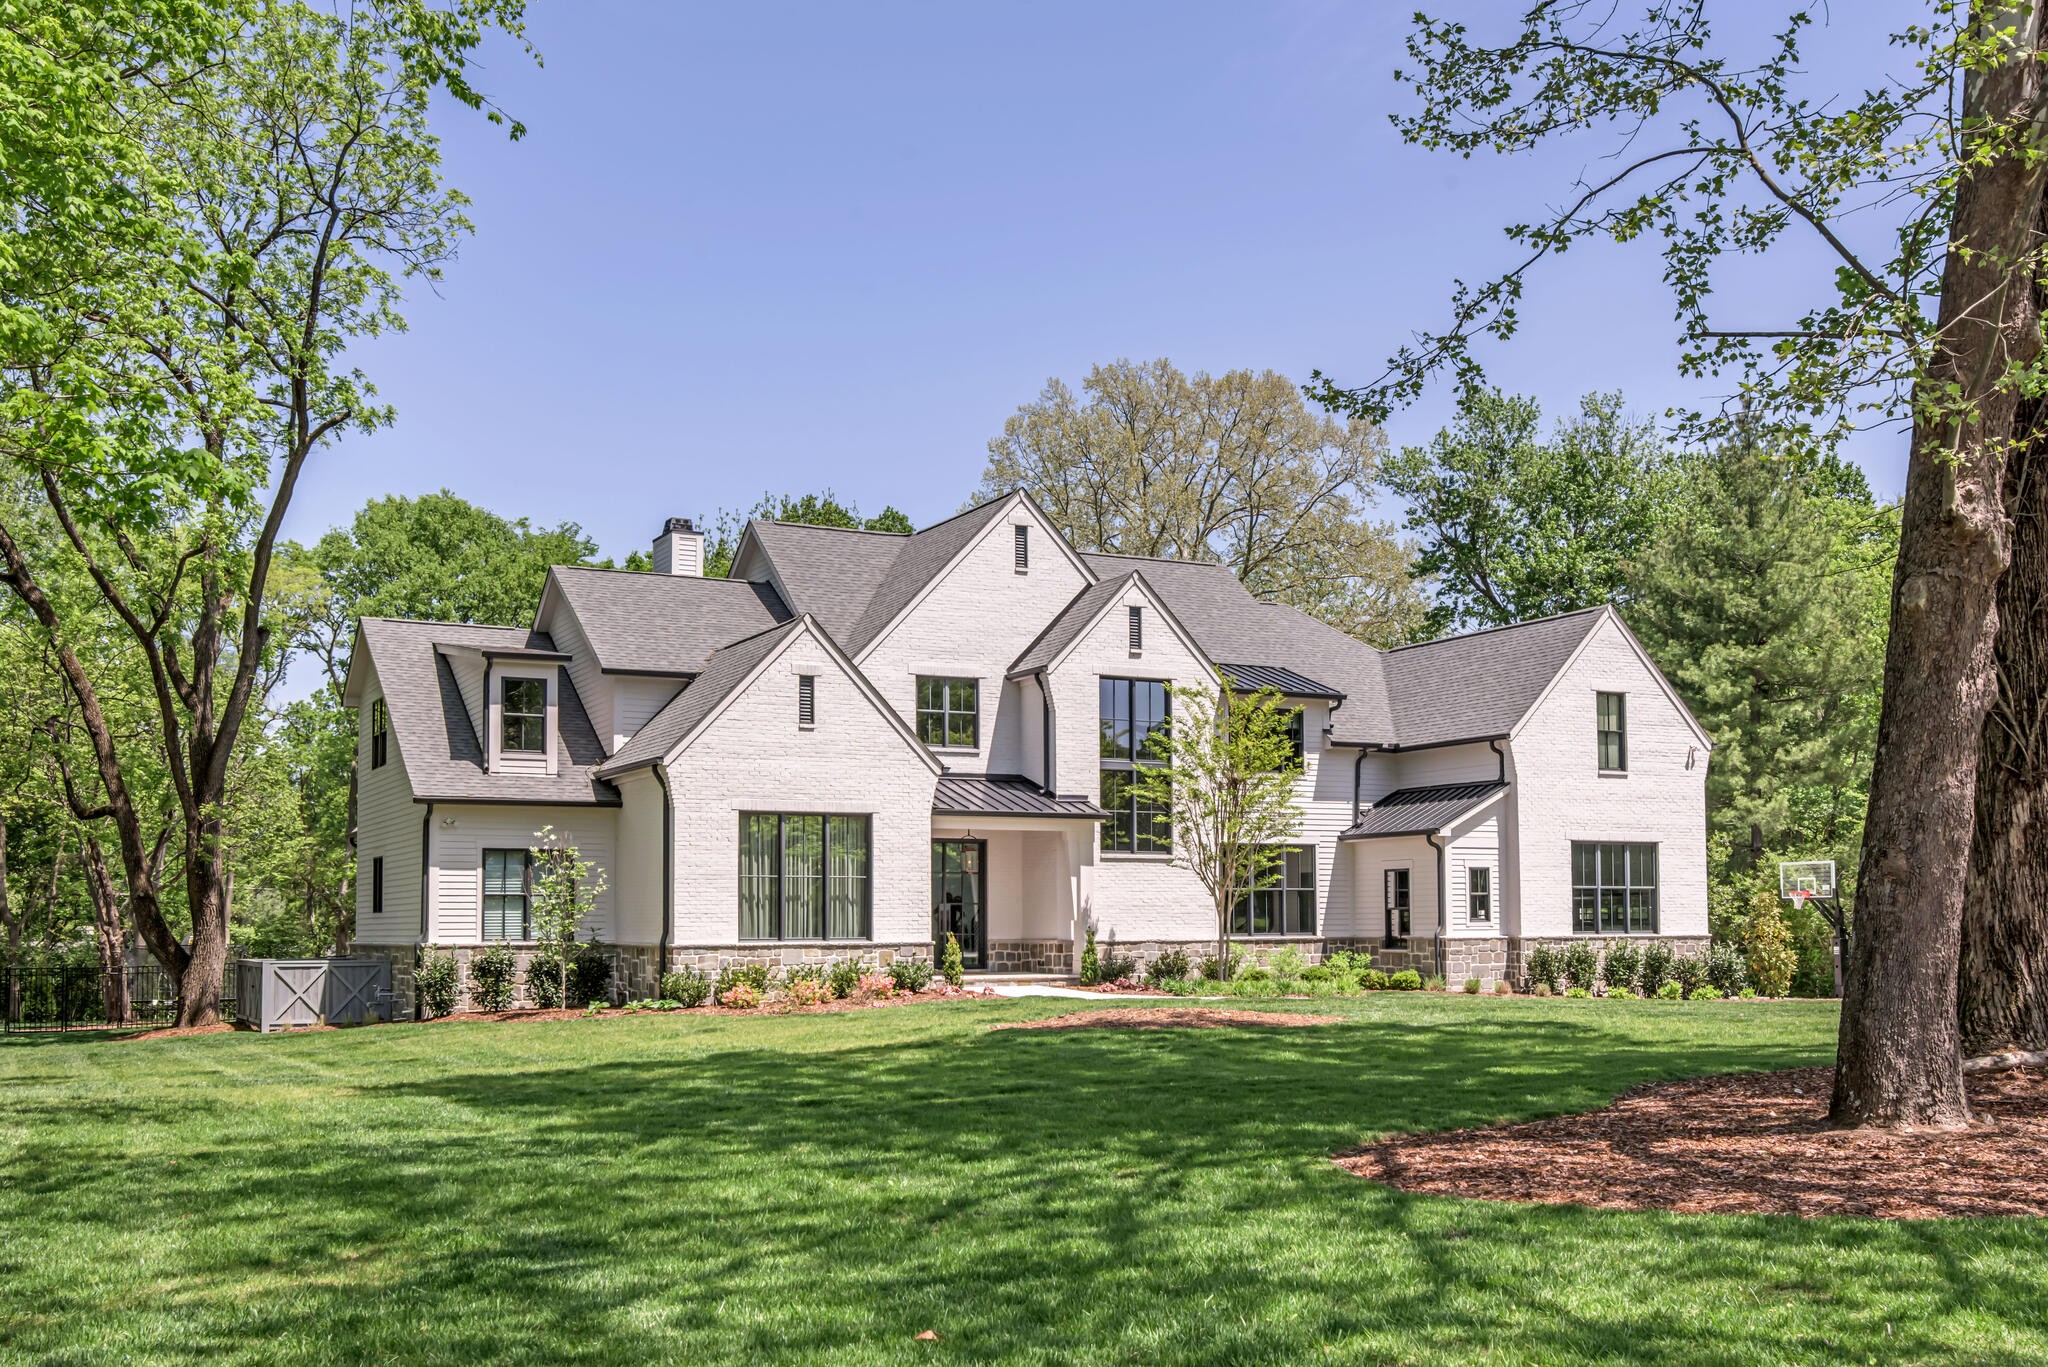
pixel 688 1188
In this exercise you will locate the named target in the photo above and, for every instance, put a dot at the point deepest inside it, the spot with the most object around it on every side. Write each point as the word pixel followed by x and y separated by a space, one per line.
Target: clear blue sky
pixel 772 247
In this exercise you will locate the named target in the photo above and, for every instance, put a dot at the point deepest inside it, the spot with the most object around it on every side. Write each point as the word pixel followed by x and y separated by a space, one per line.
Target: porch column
pixel 1080 847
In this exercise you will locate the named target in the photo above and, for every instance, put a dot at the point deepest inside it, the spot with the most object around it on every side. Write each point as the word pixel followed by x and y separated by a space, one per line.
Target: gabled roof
pixel 443 756
pixel 1423 811
pixel 921 559
pixel 830 572
pixel 1006 795
pixel 1482 684
pixel 1086 609
pixel 721 678
pixel 659 623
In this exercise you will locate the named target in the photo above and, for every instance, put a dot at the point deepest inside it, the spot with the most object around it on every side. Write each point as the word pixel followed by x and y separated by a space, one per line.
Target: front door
pixel 959 899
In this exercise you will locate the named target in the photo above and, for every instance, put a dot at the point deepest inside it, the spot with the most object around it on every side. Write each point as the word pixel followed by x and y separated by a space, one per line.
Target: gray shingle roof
pixel 830 572
pixel 663 623
pixel 725 672
pixel 1006 795
pixel 917 563
pixel 1480 684
pixel 444 758
pixel 1422 811
pixel 1074 618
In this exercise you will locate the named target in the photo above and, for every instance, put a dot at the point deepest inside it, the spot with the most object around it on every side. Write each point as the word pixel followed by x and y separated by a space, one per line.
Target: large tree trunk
pixel 2003 984
pixel 111 932
pixel 1899 1062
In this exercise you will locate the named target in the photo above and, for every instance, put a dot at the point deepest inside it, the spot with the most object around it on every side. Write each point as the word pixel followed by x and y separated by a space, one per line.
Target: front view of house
pixel 861 742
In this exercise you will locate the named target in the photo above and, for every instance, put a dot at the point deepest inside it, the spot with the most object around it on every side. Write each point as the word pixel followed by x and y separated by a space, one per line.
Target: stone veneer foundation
pixel 1030 956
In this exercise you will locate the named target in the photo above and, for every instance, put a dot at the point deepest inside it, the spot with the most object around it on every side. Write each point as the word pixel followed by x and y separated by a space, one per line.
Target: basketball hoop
pixel 1801 880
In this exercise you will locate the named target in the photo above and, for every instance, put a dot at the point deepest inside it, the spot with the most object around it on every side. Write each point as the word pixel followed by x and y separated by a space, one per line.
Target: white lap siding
pixel 636 891
pixel 593 686
pixel 635 700
pixel 1561 795
pixel 387 828
pixel 1474 845
pixel 457 860
pixel 753 757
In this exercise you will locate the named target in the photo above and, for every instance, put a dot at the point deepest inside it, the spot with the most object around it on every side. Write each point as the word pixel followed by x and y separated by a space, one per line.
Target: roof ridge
pixel 824 527
pixel 794 619
pixel 442 622
pixel 985 503
pixel 651 574
pixel 1164 560
pixel 1505 626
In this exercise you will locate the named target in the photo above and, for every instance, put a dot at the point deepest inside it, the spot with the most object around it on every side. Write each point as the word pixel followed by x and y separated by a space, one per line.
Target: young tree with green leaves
pixel 566 887
pixel 1513 526
pixel 1224 773
pixel 258 187
pixel 1923 194
pixel 1234 468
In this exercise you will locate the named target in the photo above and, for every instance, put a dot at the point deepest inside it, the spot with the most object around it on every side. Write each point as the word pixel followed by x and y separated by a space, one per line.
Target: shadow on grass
pixel 1048 1195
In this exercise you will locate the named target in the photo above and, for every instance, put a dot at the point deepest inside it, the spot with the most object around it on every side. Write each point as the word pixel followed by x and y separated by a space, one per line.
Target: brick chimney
pixel 679 549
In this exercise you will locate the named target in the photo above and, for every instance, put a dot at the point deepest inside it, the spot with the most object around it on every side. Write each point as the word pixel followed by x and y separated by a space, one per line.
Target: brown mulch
pixel 1166 1018
pixel 1755 1143
pixel 178 1031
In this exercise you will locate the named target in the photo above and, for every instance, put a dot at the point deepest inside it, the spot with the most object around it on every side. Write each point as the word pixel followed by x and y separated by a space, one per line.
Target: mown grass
pixel 692 1189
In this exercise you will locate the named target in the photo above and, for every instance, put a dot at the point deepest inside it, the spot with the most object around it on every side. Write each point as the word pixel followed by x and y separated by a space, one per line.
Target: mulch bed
pixel 1165 1018
pixel 1754 1143
pixel 177 1032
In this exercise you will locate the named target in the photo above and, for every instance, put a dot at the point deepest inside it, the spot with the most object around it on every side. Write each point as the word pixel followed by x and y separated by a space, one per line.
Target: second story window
pixel 380 734
pixel 524 725
pixel 1613 725
pixel 947 712
pixel 1132 709
pixel 1479 893
pixel 1023 535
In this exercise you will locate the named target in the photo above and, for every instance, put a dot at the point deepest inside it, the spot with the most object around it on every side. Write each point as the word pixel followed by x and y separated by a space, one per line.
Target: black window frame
pixel 828 824
pixel 1403 902
pixel 1278 897
pixel 530 724
pixel 1601 906
pixel 948 711
pixel 377 886
pixel 1122 752
pixel 525 896
pixel 1479 903
pixel 1613 738
pixel 380 733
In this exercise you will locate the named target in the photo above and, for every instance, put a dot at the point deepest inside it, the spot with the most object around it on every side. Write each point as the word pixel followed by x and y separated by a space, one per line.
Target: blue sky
pixel 777 247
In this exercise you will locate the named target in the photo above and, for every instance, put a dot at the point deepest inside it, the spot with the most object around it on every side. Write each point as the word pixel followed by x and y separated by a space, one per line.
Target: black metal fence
pixel 81 997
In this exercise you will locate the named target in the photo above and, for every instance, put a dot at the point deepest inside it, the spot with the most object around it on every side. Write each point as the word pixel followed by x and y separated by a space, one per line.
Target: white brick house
pixel 860 742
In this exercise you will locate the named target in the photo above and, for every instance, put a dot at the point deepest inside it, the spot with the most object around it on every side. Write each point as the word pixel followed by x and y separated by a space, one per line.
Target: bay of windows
pixel 948 711
pixel 804 877
pixel 1131 711
pixel 1614 889
pixel 1283 900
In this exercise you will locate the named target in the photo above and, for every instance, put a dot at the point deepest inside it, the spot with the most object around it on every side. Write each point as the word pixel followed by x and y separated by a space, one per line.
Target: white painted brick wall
pixel 637 883
pixel 1561 795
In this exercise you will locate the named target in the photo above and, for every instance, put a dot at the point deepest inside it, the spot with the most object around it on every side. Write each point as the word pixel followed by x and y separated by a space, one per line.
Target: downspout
pixel 668 887
pixel 418 948
pixel 1502 756
pixel 1357 787
pixel 1442 897
pixel 484 722
pixel 1045 761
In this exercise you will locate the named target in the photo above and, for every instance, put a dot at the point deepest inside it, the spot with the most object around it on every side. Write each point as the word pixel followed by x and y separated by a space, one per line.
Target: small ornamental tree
pixel 1224 773
pixel 566 887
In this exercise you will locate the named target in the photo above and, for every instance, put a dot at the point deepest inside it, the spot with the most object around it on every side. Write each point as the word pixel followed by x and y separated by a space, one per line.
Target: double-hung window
pixel 804 876
pixel 1613 728
pixel 1614 889
pixel 1479 893
pixel 380 734
pixel 507 884
pixel 1132 710
pixel 948 713
pixel 1398 906
pixel 524 724
pixel 1283 900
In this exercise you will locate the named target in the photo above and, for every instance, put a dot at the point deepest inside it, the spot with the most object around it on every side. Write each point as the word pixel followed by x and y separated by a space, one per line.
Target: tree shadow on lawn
pixel 1162 1195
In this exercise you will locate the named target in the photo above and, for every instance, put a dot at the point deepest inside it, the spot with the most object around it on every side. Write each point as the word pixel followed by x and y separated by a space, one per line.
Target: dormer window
pixel 1023 537
pixel 380 734
pixel 524 726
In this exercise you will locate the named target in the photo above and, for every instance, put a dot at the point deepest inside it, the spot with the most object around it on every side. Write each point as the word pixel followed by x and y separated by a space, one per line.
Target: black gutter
pixel 668 883
pixel 426 842
pixel 1501 755
pixel 1442 899
pixel 484 722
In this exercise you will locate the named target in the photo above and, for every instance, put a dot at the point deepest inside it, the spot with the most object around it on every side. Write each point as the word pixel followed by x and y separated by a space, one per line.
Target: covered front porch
pixel 1012 874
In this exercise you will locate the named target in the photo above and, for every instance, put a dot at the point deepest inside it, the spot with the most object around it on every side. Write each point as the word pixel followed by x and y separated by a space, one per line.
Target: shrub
pixel 1433 983
pixel 1179 987
pixel 1624 963
pixel 1407 980
pixel 1253 982
pixel 742 975
pixel 1471 987
pixel 810 991
pixel 1091 963
pixel 434 982
pixel 875 985
pixel 813 972
pixel 1539 989
pixel 1578 992
pixel 655 1004
pixel 740 996
pixel 1689 971
pixel 1288 964
pixel 1725 971
pixel 1318 973
pixel 1620 994
pixel 1208 967
pixel 590 974
pixel 1112 967
pixel 1347 963
pixel 1656 968
pixel 1708 993
pixel 686 987
pixel 950 965
pixel 1767 947
pixel 544 981
pixel 909 975
pixel 1582 966
pixel 1503 988
pixel 1747 994
pixel 1252 973
pixel 1671 992
pixel 1545 967
pixel 1170 966
pixel 490 979
pixel 1372 979
pixel 844 977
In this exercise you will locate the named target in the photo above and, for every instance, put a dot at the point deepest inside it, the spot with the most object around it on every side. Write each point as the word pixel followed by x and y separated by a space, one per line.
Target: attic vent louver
pixel 1137 630
pixel 1023 535
pixel 806 700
